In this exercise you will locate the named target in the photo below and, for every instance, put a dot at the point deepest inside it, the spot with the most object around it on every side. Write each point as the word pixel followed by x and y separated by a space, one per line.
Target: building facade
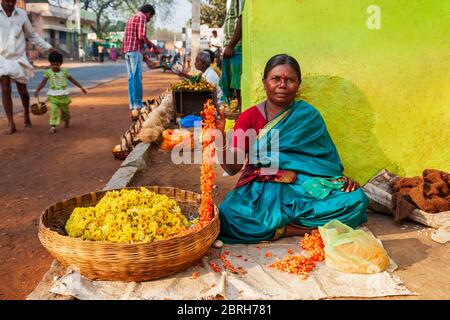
pixel 58 26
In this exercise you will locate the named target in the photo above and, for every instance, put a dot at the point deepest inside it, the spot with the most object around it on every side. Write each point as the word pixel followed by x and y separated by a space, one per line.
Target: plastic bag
pixel 352 251
pixel 191 121
pixel 171 138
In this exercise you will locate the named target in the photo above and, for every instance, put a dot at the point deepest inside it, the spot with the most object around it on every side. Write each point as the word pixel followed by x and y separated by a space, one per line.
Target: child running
pixel 58 94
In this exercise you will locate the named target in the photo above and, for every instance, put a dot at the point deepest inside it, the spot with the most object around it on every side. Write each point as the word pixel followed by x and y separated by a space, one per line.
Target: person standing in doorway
pixel 230 81
pixel 133 46
pixel 14 65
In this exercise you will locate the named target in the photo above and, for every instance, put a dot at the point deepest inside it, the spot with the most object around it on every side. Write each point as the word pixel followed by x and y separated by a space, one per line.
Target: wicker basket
pixel 125 148
pixel 126 262
pixel 38 108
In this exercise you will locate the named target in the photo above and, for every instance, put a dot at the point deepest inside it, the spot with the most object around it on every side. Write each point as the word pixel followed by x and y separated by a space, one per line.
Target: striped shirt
pixel 136 34
pixel 234 11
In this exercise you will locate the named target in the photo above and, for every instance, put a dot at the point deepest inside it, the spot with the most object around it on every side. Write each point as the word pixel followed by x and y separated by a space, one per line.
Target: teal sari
pixel 256 209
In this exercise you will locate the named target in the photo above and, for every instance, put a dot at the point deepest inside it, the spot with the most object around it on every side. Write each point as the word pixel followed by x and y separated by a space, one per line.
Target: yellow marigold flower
pixel 129 216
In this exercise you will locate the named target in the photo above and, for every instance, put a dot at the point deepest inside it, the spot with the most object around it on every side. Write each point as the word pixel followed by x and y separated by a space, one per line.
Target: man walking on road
pixel 133 46
pixel 14 65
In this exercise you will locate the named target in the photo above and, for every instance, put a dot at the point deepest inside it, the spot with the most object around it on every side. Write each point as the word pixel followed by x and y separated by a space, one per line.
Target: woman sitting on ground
pixel 308 188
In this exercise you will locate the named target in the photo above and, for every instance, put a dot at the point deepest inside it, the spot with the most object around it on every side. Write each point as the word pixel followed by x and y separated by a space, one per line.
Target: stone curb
pixel 132 165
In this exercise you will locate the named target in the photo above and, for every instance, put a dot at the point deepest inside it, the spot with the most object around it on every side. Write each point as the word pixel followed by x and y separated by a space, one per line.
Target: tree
pixel 101 8
pixel 164 8
pixel 213 12
pixel 104 9
pixel 114 26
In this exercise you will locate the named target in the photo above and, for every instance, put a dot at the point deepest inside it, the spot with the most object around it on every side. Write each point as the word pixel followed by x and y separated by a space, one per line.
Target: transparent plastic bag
pixel 352 251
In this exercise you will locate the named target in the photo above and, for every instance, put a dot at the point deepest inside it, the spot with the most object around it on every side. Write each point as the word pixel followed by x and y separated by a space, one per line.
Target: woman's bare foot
pixel 292 230
pixel 11 129
pixel 52 129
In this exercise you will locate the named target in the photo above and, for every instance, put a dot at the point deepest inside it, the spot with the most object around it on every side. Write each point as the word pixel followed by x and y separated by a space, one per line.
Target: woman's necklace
pixel 266 112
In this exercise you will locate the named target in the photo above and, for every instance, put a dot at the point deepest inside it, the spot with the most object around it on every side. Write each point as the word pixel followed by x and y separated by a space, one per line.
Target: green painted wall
pixel 384 94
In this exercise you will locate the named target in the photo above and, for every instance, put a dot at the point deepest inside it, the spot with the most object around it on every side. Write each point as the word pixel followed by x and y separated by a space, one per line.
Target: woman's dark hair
pixel 211 54
pixel 281 59
pixel 147 8
pixel 55 56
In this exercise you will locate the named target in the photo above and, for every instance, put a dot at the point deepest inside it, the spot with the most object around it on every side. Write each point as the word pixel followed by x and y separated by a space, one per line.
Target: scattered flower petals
pixel 303 265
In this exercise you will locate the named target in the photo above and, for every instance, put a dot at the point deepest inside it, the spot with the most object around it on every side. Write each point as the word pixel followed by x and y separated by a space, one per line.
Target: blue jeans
pixel 134 69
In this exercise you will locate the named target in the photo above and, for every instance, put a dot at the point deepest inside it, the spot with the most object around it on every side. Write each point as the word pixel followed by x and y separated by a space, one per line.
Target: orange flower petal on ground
pixel 227 265
pixel 214 267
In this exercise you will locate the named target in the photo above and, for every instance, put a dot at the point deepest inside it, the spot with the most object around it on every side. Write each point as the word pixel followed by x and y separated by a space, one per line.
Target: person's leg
pixel 349 208
pixel 25 97
pixel 138 80
pixel 236 73
pixel 7 104
pixel 54 114
pixel 65 113
pixel 239 99
pixel 225 80
pixel 130 80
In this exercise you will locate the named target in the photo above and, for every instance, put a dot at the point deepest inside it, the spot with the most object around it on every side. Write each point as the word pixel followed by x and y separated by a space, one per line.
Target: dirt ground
pixel 38 169
pixel 423 265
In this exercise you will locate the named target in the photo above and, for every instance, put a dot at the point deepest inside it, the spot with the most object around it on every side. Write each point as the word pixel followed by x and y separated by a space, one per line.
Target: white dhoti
pixel 19 70
pixel 13 31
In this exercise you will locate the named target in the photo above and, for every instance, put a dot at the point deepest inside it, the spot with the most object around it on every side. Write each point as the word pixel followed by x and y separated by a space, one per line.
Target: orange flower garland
pixel 207 172
pixel 302 265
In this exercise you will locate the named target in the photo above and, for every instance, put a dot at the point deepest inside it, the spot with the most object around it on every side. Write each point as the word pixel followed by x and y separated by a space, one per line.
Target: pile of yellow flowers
pixel 129 216
pixel 193 84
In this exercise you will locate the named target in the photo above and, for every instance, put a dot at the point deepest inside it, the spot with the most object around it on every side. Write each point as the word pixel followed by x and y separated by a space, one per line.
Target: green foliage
pixel 213 13
pixel 107 12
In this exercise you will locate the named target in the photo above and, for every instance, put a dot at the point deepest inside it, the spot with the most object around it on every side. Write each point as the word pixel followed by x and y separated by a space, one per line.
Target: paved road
pixel 87 75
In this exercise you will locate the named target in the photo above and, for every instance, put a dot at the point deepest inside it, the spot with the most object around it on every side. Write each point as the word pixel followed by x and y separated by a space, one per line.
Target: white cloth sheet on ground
pixel 260 281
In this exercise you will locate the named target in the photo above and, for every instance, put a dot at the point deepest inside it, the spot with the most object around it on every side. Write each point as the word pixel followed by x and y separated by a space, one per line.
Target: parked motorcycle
pixel 173 64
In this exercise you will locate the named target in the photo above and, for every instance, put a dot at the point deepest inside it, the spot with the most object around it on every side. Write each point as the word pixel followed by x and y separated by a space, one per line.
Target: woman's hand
pixel 220 120
pixel 350 185
pixel 36 93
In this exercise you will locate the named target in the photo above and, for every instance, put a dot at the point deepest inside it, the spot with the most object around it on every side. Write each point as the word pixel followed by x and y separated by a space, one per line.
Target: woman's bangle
pixel 225 146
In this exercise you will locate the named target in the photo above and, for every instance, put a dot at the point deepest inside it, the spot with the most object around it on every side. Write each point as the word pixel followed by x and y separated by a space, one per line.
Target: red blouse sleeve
pixel 247 126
